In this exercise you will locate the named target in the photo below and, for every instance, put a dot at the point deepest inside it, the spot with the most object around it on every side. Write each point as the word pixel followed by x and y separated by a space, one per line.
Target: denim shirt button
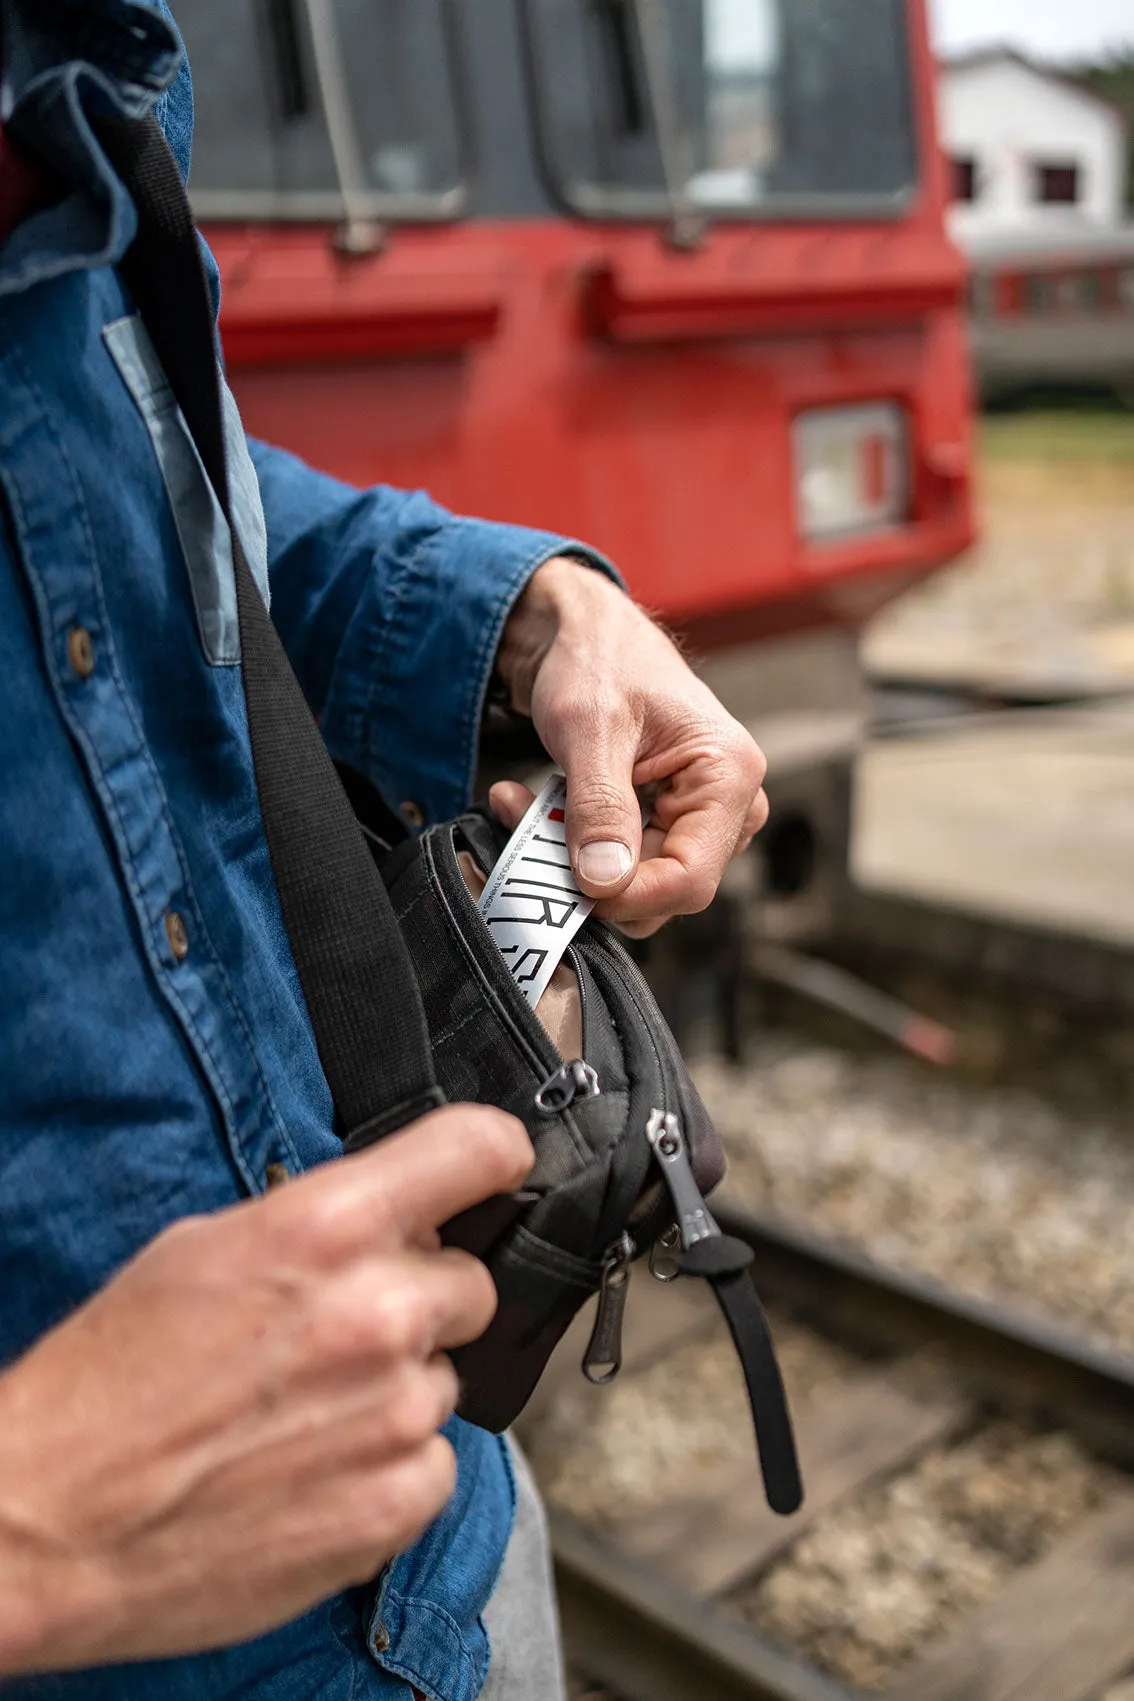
pixel 276 1174
pixel 412 813
pixel 379 1638
pixel 80 651
pixel 178 935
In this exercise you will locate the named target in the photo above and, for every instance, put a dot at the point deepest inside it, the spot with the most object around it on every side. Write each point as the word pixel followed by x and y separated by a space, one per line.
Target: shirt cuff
pixel 407 695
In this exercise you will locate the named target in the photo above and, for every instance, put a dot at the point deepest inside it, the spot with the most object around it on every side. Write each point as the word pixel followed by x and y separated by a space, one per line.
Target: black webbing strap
pixel 775 1442
pixel 724 1263
pixel 357 979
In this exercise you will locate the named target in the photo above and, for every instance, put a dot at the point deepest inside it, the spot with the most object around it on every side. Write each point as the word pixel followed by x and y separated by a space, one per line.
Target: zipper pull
pixel 694 1221
pixel 571 1081
pixel 705 1251
pixel 723 1262
pixel 603 1357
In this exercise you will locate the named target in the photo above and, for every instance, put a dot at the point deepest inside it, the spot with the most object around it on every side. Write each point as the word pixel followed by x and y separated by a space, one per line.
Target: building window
pixel 1087 291
pixel 1039 293
pixel 965 186
pixel 1056 183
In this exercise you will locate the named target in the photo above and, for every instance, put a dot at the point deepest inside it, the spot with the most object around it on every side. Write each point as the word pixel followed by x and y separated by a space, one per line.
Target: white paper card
pixel 531 903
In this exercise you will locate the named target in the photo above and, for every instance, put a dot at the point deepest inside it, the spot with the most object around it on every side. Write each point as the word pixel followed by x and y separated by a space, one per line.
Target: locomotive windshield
pixel 738 107
pixel 733 108
pixel 300 103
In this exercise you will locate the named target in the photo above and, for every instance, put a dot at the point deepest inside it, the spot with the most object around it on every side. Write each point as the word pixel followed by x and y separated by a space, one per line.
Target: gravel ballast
pixel 898 1566
pixel 995 1191
pixel 602 1460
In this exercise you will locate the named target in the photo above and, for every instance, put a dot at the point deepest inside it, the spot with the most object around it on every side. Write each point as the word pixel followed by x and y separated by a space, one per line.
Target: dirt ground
pixel 1028 817
pixel 1049 590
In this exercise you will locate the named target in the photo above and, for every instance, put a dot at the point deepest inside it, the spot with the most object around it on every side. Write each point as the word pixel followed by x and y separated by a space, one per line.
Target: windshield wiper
pixel 686 220
pixel 283 29
pixel 359 233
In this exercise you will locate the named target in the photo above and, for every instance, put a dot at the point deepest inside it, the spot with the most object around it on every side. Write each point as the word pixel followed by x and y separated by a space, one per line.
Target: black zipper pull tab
pixel 723 1262
pixel 603 1358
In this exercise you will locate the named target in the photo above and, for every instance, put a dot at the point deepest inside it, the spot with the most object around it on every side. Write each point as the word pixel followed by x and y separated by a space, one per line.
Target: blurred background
pixel 818 317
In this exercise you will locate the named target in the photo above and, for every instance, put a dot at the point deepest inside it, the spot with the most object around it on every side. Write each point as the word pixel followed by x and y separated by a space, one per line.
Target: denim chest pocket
pixel 201 526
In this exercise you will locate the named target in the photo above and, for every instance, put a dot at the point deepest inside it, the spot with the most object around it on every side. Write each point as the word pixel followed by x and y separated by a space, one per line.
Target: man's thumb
pixel 604 827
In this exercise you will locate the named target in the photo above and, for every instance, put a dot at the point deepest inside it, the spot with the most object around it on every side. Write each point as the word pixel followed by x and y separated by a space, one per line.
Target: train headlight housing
pixel 852 469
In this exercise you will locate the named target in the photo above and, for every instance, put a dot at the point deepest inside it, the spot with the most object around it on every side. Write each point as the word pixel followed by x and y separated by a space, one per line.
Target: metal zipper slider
pixel 694 1221
pixel 571 1081
pixel 663 1261
pixel 603 1358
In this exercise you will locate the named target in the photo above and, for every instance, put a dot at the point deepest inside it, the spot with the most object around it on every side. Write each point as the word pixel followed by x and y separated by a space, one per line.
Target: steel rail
pixel 628 1627
pixel 1014 1357
pixel 633 1629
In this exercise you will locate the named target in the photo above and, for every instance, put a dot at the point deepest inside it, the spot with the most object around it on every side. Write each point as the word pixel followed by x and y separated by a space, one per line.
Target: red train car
pixel 668 274
pixel 1054 310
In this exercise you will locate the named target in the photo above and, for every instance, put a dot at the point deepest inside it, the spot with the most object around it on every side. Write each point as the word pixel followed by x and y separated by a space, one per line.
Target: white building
pixel 1033 152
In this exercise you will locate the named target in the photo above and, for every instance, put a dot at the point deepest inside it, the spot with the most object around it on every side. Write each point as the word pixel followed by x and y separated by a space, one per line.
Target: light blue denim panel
pixel 244 494
pixel 205 539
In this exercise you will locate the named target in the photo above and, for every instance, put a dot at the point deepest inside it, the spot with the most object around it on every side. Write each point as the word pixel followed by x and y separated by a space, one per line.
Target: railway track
pixel 902 939
pixel 654 1600
pixel 683 1588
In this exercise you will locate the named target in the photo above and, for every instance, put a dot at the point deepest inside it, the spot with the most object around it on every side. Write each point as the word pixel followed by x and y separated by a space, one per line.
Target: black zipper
pixel 489 966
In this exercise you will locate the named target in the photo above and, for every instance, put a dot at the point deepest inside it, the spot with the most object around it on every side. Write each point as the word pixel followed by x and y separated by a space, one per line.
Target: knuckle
pixel 503 1146
pixel 414 1410
pixel 314 1225
pixel 480 1297
pixel 440 1472
pixel 409 1497
pixel 398 1321
pixel 746 758
pixel 758 814
pixel 594 797
pixel 644 929
pixel 447 1386
pixel 700 890
pixel 424 1402
pixel 344 1330
pixel 580 708
pixel 470 1295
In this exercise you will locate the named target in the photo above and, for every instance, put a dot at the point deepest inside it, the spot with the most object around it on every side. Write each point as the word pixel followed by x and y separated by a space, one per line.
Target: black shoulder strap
pixel 356 975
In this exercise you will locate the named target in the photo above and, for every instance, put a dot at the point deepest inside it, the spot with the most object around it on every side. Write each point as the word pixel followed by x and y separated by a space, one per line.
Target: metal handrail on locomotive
pixel 670 275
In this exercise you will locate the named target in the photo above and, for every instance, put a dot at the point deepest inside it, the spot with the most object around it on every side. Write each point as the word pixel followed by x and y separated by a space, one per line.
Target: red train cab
pixel 671 275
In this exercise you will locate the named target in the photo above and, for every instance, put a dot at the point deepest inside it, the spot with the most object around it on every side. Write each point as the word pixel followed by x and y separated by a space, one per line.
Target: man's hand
pixel 245 1420
pixel 617 707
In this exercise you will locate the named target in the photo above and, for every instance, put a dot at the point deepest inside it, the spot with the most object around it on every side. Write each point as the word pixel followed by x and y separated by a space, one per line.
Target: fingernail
pixel 604 862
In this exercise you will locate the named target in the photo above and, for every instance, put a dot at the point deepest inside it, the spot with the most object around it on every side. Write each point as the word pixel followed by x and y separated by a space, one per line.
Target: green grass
pixel 1061 435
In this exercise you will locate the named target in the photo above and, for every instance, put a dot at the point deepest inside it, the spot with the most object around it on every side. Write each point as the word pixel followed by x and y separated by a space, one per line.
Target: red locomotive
pixel 670 275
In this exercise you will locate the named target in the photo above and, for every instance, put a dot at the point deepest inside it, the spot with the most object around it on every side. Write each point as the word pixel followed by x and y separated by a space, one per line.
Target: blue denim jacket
pixel 139 1084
